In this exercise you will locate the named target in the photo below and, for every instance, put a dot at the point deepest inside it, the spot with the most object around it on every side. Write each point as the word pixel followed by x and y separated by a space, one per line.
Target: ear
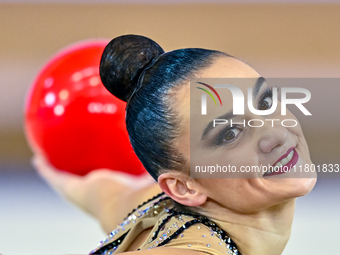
pixel 182 188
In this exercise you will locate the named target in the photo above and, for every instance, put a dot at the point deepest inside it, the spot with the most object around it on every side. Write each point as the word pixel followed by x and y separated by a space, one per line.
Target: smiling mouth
pixel 284 163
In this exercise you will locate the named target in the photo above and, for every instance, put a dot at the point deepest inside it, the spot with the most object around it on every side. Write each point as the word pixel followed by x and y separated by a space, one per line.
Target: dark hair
pixel 136 69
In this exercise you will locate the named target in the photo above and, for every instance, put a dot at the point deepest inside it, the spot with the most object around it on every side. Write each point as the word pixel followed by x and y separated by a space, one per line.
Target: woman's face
pixel 241 146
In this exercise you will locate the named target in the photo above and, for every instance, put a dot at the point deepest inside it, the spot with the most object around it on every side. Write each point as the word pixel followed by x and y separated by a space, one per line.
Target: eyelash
pixel 267 93
pixel 220 139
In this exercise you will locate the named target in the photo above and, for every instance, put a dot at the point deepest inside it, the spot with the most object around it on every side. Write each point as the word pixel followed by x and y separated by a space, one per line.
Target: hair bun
pixel 122 62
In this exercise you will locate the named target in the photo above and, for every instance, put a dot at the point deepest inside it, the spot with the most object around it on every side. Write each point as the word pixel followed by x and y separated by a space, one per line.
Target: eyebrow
pixel 229 115
pixel 210 126
pixel 257 87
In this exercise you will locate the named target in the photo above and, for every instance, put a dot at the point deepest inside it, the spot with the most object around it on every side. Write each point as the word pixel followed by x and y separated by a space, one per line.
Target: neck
pixel 265 232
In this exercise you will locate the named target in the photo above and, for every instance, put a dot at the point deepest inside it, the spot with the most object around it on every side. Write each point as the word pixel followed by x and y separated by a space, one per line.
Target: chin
pixel 301 186
pixel 306 185
pixel 304 181
pixel 297 186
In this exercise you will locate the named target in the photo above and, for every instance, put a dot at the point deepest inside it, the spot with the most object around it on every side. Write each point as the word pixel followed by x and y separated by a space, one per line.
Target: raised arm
pixel 106 195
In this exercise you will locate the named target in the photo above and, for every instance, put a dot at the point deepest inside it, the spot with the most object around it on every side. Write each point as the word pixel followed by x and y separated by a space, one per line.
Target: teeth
pixel 290 155
pixel 278 164
pixel 285 160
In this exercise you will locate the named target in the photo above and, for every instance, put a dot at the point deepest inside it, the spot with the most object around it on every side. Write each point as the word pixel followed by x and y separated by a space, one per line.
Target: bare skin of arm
pixel 106 195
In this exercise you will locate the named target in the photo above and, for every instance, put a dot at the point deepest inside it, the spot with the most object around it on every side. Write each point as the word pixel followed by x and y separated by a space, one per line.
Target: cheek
pixel 242 156
pixel 237 157
pixel 239 195
pixel 297 131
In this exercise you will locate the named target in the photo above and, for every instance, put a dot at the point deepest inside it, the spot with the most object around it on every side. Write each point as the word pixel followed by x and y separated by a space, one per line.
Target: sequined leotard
pixel 169 229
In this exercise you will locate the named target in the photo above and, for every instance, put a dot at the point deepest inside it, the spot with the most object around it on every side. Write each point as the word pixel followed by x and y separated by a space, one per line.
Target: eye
pixel 266 103
pixel 227 135
pixel 231 134
pixel 266 100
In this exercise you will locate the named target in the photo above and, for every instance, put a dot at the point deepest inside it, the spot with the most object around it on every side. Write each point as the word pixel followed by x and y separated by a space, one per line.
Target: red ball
pixel 73 120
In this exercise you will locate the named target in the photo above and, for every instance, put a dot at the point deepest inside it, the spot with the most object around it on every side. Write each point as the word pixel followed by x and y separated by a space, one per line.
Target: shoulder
pixel 189 233
pixel 145 216
pixel 171 231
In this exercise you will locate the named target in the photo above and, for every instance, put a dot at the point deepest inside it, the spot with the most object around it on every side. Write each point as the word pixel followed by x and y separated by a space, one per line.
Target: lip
pixel 286 167
pixel 284 156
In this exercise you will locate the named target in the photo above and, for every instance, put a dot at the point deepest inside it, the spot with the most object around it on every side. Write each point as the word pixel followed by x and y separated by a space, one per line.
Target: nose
pixel 272 137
